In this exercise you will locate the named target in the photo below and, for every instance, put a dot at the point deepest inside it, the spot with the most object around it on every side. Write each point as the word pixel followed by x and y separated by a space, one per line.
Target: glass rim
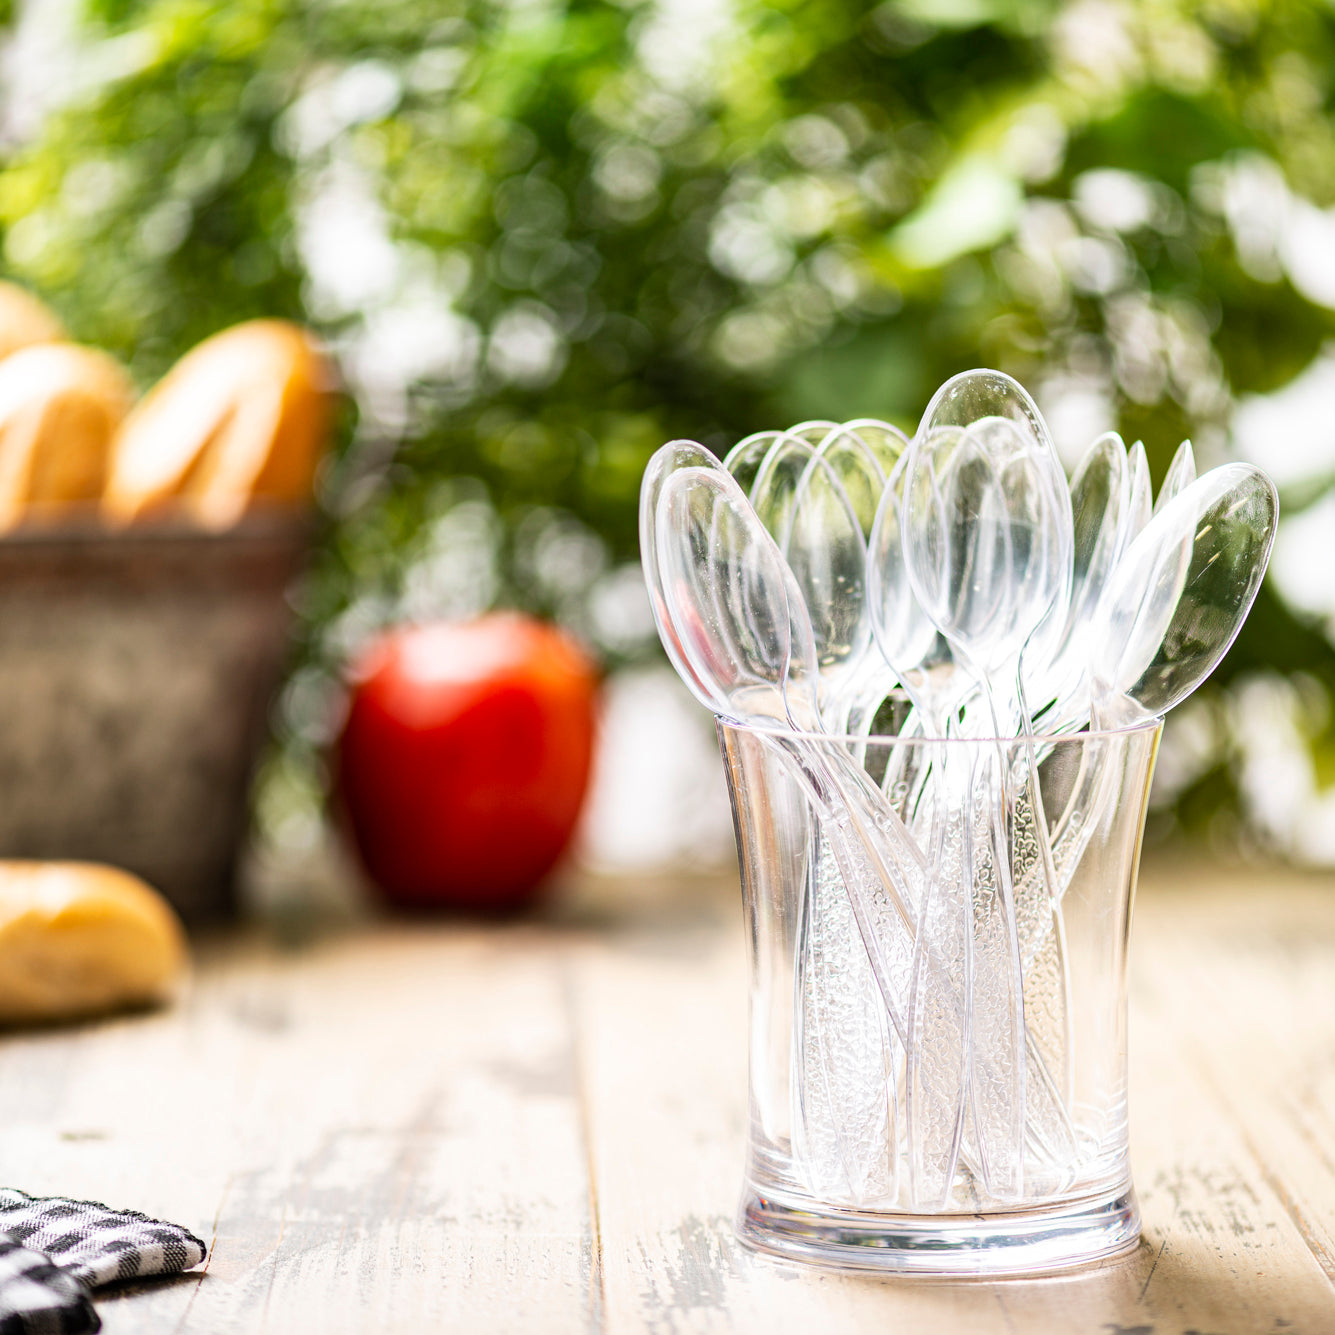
pixel 781 730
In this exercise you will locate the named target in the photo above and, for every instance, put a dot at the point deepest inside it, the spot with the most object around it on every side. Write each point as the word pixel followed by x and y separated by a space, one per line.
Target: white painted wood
pixel 539 1128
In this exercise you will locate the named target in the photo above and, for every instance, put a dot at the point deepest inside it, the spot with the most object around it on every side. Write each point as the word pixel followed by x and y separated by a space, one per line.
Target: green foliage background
pixel 677 219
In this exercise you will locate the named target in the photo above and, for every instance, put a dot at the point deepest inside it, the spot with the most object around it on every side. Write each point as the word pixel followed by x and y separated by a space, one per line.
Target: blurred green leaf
pixel 545 237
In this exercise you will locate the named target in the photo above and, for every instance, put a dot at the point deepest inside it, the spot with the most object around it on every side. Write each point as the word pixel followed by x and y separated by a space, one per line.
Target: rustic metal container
pixel 135 674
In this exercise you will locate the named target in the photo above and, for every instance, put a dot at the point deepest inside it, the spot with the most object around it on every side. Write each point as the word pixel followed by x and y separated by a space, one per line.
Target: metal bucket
pixel 135 674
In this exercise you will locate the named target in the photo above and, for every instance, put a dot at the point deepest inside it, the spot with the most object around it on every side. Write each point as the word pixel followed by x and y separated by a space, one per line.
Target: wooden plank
pixel 540 1129
pixel 1241 973
pixel 663 1042
pixel 379 1134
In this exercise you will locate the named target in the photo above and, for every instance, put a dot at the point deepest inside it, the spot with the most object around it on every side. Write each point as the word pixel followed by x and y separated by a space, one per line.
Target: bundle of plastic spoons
pixel 831 568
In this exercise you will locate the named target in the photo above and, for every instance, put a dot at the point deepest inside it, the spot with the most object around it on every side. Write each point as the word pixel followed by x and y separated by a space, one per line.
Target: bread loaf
pixel 78 938
pixel 239 420
pixel 60 406
pixel 24 320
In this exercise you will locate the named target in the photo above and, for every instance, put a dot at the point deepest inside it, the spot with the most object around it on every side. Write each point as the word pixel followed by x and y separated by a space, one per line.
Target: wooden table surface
pixel 416 1127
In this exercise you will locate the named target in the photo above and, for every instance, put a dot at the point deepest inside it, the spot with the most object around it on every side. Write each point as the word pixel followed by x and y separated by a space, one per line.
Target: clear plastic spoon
pixel 736 614
pixel 1181 474
pixel 1181 593
pixel 960 549
pixel 863 455
pixel 773 494
pixel 885 440
pixel 738 619
pixel 972 396
pixel 1100 497
pixel 988 551
pixel 907 636
pixel 1141 504
pixel 675 455
pixel 814 522
pixel 859 682
pixel 745 460
pixel 989 402
pixel 1175 604
pixel 828 557
pixel 989 543
pixel 799 482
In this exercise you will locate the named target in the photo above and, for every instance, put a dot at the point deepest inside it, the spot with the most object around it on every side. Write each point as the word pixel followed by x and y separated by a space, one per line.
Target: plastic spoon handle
pixel 1179 597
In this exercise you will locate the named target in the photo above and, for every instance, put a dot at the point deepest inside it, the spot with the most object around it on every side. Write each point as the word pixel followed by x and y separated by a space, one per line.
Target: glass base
pixel 1034 1241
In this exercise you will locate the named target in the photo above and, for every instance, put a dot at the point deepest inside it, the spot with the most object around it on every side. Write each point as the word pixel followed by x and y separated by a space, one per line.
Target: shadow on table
pixel 154 1284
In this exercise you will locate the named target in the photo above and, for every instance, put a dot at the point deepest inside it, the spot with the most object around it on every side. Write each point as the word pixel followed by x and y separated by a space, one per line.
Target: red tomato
pixel 465 758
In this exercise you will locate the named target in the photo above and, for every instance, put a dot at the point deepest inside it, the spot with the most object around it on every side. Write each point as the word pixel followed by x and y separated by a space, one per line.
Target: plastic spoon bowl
pixel 1140 506
pixel 1181 474
pixel 998 411
pixel 669 459
pixel 1100 496
pixel 827 554
pixel 1181 593
pixel 1175 604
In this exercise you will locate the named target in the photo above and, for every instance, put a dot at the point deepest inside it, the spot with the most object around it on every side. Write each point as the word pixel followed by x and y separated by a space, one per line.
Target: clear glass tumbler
pixel 938 935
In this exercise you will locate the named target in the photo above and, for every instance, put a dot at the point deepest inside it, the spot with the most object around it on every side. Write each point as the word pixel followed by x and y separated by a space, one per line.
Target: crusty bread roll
pixel 60 406
pixel 239 419
pixel 79 938
pixel 25 320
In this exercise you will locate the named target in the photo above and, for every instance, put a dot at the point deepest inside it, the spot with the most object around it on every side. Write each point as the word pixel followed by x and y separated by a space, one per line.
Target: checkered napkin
pixel 54 1251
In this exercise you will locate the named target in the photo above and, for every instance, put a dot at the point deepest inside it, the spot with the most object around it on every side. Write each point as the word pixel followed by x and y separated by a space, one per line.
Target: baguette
pixel 24 320
pixel 240 419
pixel 60 406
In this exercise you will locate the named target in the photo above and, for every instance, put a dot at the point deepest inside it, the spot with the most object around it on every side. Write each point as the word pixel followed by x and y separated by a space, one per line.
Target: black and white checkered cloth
pixel 53 1252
